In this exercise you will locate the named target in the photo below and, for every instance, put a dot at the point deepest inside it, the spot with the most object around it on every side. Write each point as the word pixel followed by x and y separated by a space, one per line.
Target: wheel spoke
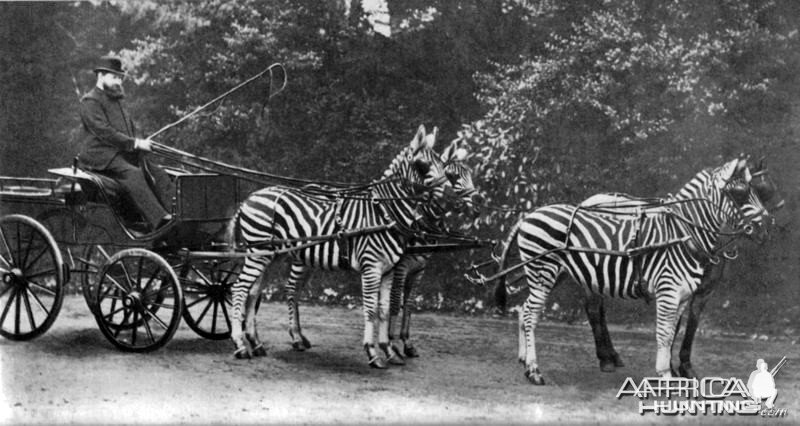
pixel 8 305
pixel 134 328
pixel 139 274
pixel 6 290
pixel 18 311
pixel 39 274
pixel 214 317
pixel 206 297
pixel 156 318
pixel 117 284
pixel 8 262
pixel 38 256
pixel 28 310
pixel 148 329
pixel 39 302
pixel 126 273
pixel 124 320
pixel 27 248
pixel 149 282
pixel 205 311
pixel 202 276
pixel 225 313
pixel 113 312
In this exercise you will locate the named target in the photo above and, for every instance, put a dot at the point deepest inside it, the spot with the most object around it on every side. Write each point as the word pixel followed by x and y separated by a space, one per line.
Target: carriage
pixel 76 228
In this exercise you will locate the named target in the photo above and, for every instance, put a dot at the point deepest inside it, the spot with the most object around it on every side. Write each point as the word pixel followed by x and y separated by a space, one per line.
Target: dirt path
pixel 467 373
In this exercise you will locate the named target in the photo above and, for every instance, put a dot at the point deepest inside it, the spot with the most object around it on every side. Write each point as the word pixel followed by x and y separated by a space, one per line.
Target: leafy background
pixel 558 100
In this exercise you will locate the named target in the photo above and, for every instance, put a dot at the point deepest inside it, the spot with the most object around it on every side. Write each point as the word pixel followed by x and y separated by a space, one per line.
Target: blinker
pixel 739 192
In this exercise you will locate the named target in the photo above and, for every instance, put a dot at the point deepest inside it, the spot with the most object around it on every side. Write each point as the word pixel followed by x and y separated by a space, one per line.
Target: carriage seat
pixel 95 186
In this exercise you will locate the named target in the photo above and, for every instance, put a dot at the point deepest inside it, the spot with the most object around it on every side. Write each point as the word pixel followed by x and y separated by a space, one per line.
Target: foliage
pixel 559 100
pixel 600 104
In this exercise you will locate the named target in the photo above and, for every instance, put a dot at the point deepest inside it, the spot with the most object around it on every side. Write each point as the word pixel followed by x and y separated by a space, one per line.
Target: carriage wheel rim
pixel 33 276
pixel 139 301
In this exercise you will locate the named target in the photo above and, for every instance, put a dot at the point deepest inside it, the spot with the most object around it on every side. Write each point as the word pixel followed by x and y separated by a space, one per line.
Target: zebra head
pixel 466 198
pixel 732 189
pixel 420 171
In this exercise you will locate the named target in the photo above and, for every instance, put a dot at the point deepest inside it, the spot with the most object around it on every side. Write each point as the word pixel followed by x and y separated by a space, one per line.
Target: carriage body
pixel 137 283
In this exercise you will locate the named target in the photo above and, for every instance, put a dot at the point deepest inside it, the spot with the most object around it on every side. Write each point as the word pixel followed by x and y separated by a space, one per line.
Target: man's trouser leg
pixel 132 179
pixel 161 183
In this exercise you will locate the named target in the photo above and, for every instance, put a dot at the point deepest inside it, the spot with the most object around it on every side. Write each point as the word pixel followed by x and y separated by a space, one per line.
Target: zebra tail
pixel 500 288
pixel 232 231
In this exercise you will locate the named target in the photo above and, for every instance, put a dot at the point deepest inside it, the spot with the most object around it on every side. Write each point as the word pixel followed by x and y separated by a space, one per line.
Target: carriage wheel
pixel 33 274
pixel 138 301
pixel 207 289
pixel 94 257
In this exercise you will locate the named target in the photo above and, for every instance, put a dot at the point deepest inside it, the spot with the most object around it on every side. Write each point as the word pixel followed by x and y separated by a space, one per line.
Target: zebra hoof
pixel 686 370
pixel 535 377
pixel 618 361
pixel 259 351
pixel 242 353
pixel 410 351
pixel 379 363
pixel 306 343
pixel 393 356
pixel 608 366
pixel 298 346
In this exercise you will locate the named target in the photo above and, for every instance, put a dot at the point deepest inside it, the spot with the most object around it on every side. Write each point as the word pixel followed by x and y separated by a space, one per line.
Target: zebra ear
pixel 430 139
pixel 419 139
pixel 725 173
pixel 449 152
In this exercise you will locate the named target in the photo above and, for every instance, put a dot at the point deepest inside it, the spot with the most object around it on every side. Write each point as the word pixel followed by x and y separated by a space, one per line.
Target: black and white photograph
pixel 486 212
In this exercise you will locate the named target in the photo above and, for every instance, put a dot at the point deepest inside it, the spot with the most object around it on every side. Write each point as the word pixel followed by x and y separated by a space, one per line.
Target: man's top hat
pixel 110 64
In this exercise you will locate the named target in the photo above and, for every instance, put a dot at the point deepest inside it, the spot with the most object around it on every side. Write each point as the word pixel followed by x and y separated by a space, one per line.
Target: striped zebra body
pixel 608 254
pixel 410 270
pixel 623 204
pixel 410 267
pixel 282 213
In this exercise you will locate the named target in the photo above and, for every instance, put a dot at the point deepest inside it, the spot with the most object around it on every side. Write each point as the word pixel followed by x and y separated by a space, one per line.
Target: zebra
pixel 409 271
pixel 594 306
pixel 460 177
pixel 670 249
pixel 416 176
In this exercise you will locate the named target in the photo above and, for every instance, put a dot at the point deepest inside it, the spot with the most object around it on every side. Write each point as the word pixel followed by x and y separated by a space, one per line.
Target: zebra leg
pixel 298 275
pixel 595 310
pixel 251 331
pixel 408 306
pixel 396 303
pixel 711 280
pixel 251 271
pixel 370 290
pixel 392 354
pixel 668 311
pixel 541 279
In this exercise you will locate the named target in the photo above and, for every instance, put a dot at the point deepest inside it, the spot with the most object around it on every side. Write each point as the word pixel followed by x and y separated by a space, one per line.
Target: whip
pixel 269 70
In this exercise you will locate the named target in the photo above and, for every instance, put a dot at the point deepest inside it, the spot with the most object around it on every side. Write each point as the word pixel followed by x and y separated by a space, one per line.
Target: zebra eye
pixel 451 176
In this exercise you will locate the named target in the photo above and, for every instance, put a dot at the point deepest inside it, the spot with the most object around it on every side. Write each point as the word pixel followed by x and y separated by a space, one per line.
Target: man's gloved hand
pixel 143 145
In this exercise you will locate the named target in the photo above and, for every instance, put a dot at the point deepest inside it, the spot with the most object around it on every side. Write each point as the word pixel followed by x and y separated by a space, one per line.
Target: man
pixel 111 148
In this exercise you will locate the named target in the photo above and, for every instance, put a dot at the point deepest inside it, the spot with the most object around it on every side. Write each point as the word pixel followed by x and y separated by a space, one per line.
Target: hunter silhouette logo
pixel 761 383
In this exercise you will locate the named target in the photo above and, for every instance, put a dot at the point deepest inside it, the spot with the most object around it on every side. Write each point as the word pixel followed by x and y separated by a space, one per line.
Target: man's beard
pixel 114 91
